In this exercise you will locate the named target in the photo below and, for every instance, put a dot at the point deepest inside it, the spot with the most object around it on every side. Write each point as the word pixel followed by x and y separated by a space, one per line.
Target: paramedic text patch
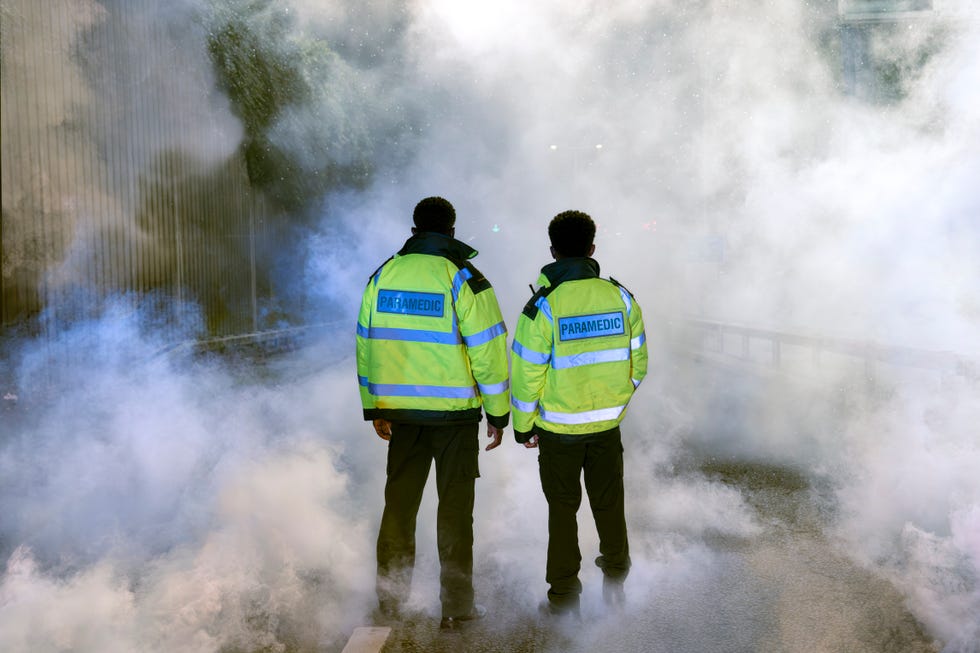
pixel 590 326
pixel 407 302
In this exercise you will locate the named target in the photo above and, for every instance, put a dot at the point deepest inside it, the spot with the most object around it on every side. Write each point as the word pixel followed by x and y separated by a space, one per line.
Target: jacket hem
pixel 430 417
pixel 569 438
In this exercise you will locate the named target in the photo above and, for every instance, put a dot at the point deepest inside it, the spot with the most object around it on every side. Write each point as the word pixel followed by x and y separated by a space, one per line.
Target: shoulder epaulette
pixel 477 282
pixel 619 285
pixel 531 308
pixel 371 276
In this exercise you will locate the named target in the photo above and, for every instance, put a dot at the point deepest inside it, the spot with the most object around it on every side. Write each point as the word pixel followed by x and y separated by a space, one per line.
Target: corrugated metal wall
pixel 103 197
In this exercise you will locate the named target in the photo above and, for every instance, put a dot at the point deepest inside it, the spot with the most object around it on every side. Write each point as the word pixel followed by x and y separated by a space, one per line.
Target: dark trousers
pixel 561 461
pixel 411 450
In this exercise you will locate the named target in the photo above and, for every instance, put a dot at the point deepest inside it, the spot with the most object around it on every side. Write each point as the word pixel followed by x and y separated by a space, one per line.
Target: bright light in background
pixel 486 26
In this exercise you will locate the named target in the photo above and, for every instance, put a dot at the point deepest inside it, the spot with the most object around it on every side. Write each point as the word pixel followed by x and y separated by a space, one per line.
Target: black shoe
pixel 549 610
pixel 613 594
pixel 452 623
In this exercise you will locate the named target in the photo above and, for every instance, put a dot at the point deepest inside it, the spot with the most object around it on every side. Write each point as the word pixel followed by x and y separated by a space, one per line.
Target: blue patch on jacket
pixel 591 326
pixel 406 302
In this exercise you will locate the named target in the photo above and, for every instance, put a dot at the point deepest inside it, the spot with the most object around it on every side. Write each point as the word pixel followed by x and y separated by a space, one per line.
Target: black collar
pixel 571 269
pixel 436 244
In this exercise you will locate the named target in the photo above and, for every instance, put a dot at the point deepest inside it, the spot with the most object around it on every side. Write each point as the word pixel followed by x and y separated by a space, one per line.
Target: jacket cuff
pixel 498 421
pixel 523 437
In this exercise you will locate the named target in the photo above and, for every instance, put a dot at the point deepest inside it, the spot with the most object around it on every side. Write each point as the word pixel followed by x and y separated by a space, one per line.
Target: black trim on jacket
pixel 572 268
pixel 434 417
pixel 456 251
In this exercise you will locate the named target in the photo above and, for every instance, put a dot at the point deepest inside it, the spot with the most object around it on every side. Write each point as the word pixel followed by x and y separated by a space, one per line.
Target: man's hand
pixel 532 443
pixel 383 428
pixel 496 434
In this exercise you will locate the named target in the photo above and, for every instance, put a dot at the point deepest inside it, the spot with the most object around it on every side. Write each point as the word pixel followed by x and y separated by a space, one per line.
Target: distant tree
pixel 306 124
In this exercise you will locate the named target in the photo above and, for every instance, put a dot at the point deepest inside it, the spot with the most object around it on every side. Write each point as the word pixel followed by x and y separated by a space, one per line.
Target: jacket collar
pixel 570 269
pixel 430 242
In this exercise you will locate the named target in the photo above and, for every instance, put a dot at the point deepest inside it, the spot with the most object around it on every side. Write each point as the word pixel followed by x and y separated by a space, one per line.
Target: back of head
pixel 434 214
pixel 572 233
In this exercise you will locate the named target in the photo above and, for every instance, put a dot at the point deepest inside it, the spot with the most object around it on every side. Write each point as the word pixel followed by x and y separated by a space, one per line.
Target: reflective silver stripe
pixel 525 406
pixel 545 308
pixel 591 358
pixel 495 388
pixel 530 355
pixel 458 281
pixel 404 390
pixel 636 384
pixel 626 300
pixel 589 416
pixel 412 335
pixel 485 336
pixel 638 341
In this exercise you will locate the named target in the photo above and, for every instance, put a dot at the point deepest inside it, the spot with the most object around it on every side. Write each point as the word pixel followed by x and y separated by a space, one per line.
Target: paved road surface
pixel 783 591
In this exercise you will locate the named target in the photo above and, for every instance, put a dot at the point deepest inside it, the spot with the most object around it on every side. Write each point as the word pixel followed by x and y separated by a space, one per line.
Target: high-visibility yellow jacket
pixel 579 352
pixel 431 342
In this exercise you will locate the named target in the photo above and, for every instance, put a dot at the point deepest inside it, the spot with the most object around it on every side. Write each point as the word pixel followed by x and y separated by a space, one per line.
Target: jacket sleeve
pixel 364 346
pixel 485 335
pixel 638 345
pixel 530 359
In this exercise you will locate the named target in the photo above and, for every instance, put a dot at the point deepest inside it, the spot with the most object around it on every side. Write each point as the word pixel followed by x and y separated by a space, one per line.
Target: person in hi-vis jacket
pixel 578 355
pixel 431 358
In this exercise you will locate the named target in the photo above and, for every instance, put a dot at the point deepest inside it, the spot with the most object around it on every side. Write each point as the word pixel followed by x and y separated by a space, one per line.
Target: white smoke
pixel 837 216
pixel 161 507
pixel 158 503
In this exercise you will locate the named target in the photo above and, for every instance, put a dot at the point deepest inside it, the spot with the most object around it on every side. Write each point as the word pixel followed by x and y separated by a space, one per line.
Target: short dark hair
pixel 434 214
pixel 571 233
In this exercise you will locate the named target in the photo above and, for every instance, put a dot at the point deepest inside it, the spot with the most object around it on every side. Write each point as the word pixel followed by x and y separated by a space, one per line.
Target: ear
pixel 452 232
pixel 553 254
pixel 414 231
pixel 591 249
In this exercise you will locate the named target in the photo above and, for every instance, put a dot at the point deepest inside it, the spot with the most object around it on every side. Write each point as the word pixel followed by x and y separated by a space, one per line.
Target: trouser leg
pixel 604 484
pixel 560 467
pixel 408 468
pixel 456 452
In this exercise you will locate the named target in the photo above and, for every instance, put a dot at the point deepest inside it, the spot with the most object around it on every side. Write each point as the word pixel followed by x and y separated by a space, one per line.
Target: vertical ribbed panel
pixel 101 199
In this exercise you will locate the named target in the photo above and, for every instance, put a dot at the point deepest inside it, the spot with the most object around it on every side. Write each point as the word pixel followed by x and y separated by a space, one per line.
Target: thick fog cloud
pixel 680 129
pixel 157 502
pixel 154 505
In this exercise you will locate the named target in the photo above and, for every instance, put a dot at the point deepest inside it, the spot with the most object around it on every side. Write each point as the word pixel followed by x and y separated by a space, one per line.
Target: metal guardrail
pixel 720 333
pixel 868 351
pixel 878 11
pixel 276 339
